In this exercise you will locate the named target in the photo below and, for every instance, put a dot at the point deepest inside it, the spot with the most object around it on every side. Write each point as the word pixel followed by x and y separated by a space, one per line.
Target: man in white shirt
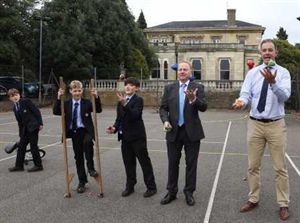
pixel 266 124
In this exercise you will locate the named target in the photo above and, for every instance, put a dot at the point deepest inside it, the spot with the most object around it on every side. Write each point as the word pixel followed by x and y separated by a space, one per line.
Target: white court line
pixel 106 138
pixel 292 163
pixel 7 158
pixel 14 122
pixel 53 144
pixel 214 188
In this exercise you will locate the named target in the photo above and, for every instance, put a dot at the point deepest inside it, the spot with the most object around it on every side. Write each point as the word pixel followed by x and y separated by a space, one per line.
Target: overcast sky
pixel 271 14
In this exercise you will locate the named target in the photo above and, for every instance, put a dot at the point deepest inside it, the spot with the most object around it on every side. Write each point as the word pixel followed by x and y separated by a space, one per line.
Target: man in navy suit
pixel 179 112
pixel 131 130
pixel 80 128
pixel 30 123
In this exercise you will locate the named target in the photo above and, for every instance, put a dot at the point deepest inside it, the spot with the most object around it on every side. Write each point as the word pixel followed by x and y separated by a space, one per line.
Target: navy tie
pixel 18 111
pixel 17 107
pixel 74 120
pixel 181 104
pixel 263 97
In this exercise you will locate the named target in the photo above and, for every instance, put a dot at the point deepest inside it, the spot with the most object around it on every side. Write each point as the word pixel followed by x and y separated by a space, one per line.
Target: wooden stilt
pixel 99 177
pixel 68 177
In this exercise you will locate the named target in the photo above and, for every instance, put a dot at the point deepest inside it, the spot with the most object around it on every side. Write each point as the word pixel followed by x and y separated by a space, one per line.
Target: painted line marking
pixel 292 163
pixel 214 188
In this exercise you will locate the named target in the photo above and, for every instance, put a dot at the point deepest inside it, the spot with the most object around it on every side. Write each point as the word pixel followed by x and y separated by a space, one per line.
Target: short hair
pixel 186 62
pixel 75 84
pixel 133 81
pixel 268 41
pixel 12 92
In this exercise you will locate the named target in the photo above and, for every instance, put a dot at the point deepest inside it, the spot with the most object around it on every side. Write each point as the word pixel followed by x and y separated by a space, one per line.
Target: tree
pixel 95 33
pixel 281 34
pixel 141 21
pixel 16 42
pixel 288 56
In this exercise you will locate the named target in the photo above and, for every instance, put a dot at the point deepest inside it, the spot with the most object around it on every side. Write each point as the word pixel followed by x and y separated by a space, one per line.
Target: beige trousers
pixel 259 134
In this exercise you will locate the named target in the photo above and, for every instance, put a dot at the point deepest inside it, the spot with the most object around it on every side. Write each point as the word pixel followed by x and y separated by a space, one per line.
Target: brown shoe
pixel 248 206
pixel 284 213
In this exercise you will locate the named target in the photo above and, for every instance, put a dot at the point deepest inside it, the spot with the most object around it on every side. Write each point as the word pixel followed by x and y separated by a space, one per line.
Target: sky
pixel 271 14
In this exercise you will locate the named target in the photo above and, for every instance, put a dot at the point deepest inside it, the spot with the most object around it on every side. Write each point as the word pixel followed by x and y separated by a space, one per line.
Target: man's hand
pixel 191 94
pixel 268 75
pixel 167 127
pixel 238 104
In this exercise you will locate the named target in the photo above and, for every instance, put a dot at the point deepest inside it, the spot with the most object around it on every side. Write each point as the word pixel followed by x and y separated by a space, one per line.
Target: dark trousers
pixel 137 149
pixel 82 145
pixel 32 139
pixel 191 149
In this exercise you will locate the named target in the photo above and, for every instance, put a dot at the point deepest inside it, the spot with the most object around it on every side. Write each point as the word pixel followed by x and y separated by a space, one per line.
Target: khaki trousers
pixel 274 134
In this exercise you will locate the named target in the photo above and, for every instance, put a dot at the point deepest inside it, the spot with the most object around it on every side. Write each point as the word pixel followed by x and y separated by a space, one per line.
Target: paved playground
pixel 222 186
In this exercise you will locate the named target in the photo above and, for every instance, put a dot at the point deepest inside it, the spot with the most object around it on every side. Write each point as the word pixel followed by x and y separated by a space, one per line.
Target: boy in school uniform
pixel 131 130
pixel 30 123
pixel 80 128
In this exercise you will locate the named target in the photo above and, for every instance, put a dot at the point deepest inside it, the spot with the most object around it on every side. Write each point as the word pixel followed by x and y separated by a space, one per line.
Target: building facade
pixel 217 50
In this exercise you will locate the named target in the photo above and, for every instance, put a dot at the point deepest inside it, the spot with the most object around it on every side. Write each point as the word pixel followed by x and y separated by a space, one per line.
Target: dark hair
pixel 268 41
pixel 133 81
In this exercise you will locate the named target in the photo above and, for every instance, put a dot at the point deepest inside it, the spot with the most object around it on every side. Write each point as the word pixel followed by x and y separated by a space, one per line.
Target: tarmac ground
pixel 222 185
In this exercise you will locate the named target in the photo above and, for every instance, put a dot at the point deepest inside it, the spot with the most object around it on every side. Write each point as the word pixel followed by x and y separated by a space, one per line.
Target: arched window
pixel 224 69
pixel 156 71
pixel 196 65
pixel 166 70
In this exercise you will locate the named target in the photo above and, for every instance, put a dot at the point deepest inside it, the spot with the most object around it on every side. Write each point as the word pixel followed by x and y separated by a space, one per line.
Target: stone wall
pixel 216 100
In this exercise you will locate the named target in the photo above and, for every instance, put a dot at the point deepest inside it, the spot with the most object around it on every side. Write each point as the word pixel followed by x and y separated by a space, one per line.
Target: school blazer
pixel 29 116
pixel 129 117
pixel 86 110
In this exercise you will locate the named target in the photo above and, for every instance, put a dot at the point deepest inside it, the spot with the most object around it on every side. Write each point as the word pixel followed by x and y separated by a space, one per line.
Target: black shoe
pixel 168 198
pixel 81 188
pixel 16 169
pixel 93 173
pixel 35 169
pixel 189 198
pixel 150 192
pixel 127 192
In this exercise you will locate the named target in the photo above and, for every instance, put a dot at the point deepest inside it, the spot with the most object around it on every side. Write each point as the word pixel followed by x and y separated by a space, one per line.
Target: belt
pixel 264 120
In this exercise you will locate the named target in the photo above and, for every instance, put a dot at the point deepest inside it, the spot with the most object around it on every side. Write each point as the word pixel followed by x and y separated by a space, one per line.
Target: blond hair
pixel 75 84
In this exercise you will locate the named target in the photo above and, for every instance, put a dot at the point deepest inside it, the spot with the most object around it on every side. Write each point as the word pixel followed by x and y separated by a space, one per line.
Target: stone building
pixel 217 49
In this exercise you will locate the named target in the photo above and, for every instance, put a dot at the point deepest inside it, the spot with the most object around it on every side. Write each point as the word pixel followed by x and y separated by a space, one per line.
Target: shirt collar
pixel 76 101
pixel 266 65
pixel 129 97
pixel 186 83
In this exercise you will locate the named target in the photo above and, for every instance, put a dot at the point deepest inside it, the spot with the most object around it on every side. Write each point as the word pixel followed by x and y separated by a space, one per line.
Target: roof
pixel 202 24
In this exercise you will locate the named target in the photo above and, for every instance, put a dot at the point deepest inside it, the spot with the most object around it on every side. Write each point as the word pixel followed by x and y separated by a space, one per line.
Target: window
pixel 164 41
pixel 216 39
pixel 196 65
pixel 186 41
pixel 242 40
pixel 155 42
pixel 156 71
pixel 165 70
pixel 196 41
pixel 224 69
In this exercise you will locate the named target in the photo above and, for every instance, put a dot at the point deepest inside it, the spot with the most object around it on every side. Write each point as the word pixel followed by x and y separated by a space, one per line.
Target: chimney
pixel 231 17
